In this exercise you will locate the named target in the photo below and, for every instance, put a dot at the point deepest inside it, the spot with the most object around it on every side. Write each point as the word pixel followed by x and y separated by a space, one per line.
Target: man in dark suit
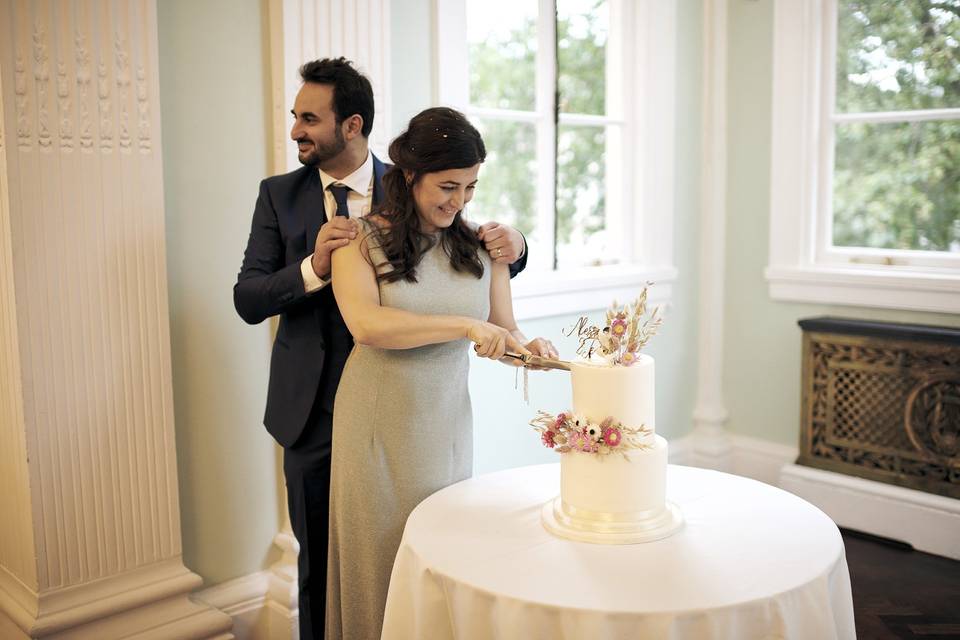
pixel 299 220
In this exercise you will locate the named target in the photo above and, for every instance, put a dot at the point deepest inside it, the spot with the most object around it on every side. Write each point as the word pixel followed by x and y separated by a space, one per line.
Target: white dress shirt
pixel 359 202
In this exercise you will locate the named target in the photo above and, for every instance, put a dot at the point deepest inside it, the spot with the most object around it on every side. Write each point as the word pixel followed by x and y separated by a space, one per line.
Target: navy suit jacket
pixel 288 215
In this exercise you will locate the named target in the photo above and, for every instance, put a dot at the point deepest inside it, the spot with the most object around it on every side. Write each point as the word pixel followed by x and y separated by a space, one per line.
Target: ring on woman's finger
pixel 499 252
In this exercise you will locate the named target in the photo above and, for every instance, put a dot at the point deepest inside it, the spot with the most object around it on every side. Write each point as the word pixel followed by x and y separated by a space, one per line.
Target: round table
pixel 752 561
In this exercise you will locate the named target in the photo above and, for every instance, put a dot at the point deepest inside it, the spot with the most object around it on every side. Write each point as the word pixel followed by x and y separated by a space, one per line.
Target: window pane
pixel 897 186
pixel 502 50
pixel 507 186
pixel 894 56
pixel 582 29
pixel 583 236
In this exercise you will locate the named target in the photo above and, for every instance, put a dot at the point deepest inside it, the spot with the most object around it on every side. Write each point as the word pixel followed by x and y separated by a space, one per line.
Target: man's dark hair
pixel 352 93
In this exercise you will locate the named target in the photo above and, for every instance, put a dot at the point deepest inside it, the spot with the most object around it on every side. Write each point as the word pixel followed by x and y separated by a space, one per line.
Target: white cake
pixel 618 497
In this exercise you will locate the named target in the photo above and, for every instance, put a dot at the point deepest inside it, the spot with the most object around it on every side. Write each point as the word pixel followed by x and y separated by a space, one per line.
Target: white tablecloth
pixel 752 561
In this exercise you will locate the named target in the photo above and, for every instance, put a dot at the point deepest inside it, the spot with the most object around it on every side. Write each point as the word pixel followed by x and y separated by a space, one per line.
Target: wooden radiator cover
pixel 882 401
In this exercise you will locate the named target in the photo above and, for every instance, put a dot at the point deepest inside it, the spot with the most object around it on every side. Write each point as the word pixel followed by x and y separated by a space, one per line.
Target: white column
pixel 711 442
pixel 86 411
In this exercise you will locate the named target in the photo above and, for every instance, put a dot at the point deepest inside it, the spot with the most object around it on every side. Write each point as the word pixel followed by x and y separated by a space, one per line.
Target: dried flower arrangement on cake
pixel 626 332
pixel 571 432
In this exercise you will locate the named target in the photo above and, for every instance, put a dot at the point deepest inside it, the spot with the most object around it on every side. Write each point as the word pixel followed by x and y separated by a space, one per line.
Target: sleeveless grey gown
pixel 402 429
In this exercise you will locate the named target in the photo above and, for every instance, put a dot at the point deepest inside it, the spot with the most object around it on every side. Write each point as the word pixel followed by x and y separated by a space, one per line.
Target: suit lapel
pixel 378 171
pixel 312 210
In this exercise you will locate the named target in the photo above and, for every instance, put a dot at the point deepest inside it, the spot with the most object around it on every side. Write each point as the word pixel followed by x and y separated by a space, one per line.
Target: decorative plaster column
pixel 711 442
pixel 300 31
pixel 91 541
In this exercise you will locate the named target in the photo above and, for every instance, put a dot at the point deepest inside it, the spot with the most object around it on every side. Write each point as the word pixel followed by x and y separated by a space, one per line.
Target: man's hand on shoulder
pixel 504 243
pixel 336 233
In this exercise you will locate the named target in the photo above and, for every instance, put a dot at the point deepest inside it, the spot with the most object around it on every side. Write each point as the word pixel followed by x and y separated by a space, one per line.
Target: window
pixel 865 201
pixel 896 133
pixel 542 106
pixel 550 84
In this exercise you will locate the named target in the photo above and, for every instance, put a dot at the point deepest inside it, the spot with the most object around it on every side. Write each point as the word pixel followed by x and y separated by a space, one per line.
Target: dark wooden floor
pixel 900 593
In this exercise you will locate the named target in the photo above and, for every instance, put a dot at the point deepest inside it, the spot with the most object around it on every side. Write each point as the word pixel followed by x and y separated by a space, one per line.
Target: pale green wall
pixel 762 340
pixel 213 109
pixel 213 112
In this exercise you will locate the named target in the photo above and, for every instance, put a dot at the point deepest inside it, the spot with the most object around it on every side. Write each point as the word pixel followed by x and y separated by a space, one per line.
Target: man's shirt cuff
pixel 311 281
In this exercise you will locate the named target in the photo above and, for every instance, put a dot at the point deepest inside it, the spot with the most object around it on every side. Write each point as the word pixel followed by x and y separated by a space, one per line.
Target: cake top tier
pixel 624 393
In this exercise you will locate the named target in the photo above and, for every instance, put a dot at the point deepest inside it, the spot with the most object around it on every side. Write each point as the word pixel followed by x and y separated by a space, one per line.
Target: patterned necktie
pixel 340 195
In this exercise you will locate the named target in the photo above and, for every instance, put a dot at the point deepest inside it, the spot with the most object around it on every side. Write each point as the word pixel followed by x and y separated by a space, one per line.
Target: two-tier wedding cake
pixel 613 465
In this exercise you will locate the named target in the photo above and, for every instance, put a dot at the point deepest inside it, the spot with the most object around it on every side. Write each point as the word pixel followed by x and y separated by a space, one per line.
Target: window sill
pixel 555 293
pixel 889 288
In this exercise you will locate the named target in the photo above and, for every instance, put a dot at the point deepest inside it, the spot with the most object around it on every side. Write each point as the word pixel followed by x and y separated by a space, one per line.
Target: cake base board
pixel 663 525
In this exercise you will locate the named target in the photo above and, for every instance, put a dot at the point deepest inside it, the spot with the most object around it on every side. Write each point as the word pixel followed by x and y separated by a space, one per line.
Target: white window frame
pixel 642 212
pixel 803 266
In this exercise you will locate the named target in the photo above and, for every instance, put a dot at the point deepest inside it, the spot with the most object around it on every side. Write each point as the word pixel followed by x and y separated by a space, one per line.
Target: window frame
pixel 804 266
pixel 646 173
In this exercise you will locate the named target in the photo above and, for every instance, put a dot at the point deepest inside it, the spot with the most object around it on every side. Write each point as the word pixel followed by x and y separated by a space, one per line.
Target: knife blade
pixel 530 360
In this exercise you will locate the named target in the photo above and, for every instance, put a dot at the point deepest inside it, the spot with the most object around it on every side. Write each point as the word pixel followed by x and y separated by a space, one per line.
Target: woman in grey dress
pixel 415 290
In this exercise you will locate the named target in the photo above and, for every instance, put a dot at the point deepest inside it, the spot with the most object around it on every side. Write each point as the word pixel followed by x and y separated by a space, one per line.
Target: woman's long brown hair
pixel 436 139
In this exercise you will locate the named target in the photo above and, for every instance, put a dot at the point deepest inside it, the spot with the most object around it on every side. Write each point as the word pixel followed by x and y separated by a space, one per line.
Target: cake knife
pixel 530 360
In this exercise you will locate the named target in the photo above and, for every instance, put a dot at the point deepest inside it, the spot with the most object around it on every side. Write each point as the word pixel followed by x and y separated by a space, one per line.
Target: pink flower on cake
pixel 580 442
pixel 548 440
pixel 618 327
pixel 612 436
pixel 628 359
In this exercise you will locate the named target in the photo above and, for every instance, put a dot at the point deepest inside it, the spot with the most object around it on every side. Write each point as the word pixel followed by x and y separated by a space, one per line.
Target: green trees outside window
pixel 896 178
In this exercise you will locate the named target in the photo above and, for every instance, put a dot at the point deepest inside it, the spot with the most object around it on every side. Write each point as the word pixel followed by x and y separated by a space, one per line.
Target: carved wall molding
pixel 84 74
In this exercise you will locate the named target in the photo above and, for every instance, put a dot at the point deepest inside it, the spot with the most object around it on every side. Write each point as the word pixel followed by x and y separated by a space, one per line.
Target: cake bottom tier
pixel 614 499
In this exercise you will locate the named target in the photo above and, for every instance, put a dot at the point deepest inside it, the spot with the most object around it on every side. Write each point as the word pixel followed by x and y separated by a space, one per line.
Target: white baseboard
pixel 741 455
pixel 760 459
pixel 243 600
pixel 255 615
pixel 263 605
pixel 928 522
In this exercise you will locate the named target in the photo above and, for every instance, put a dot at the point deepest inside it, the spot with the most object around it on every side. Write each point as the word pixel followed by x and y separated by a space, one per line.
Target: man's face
pixel 315 128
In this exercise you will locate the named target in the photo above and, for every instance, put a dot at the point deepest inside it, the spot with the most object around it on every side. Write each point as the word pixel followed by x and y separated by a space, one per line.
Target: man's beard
pixel 323 152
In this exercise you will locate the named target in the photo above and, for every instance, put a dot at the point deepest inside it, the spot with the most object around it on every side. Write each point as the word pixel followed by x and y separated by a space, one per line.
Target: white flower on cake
pixel 594 432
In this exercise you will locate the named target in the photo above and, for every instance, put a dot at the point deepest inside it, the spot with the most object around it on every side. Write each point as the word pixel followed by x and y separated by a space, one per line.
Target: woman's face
pixel 439 196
